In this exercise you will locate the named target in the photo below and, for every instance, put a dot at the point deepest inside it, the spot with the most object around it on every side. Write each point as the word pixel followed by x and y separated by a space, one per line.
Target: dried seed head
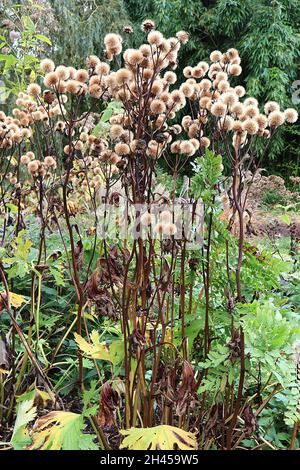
pixel 291 115
pixel 47 65
pixel 276 118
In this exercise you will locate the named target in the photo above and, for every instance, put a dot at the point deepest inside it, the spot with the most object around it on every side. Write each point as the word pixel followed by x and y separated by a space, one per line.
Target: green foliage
pixel 208 170
pixel 87 22
pixel 21 45
pixel 18 259
pixel 272 197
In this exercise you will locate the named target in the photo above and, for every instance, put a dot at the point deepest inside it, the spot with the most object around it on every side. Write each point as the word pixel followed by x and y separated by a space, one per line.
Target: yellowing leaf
pixel 16 300
pixel 60 430
pixel 95 349
pixel 42 396
pixel 159 437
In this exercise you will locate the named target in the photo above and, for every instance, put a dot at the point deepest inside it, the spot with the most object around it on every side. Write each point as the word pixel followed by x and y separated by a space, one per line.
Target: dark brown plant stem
pixel 239 395
pixel 76 280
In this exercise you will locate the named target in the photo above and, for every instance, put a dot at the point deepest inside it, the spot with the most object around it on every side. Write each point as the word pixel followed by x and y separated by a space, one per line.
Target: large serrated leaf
pixel 159 437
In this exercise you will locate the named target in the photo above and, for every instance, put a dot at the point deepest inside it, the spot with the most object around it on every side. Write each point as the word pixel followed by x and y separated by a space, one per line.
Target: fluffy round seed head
pixel 204 142
pixel 31 155
pixel 25 159
pixel 204 102
pixel 33 166
pixel 78 145
pixel 34 89
pixel 92 61
pixel 187 148
pixel 67 149
pixel 47 65
pixel 102 68
pixel 276 118
pixel 116 131
pixel 250 126
pixel 197 72
pixel 72 86
pixel 122 149
pixel 222 76
pixel 205 84
pixel 215 56
pixel 145 50
pixel 95 80
pixel 123 95
pixel 147 25
pixel 37 115
pixel 133 56
pixel 240 91
pixel 157 87
pixel 229 98
pixel 112 40
pixel 262 121
pixel 155 38
pixel 235 69
pixel 177 96
pixel 186 121
pixel 175 147
pixel 218 109
pixel 187 89
pixel 147 74
pixel 183 36
pixel 204 66
pixel 193 130
pixel 62 72
pixel 251 111
pixel 26 133
pixel 232 53
pixel 157 106
pixel 170 77
pixel 237 126
pixel 81 75
pixel 188 71
pixel 223 86
pixel 251 102
pixel 290 115
pixel 128 29
pixel 123 76
pixel 51 79
pixel 49 161
pixel 271 106
pixel 95 91
pixel 114 159
pixel 72 72
pixel 195 143
pixel 237 108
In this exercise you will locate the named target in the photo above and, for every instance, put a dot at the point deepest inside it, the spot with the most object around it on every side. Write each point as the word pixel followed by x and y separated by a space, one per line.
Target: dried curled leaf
pixel 109 400
pixel 60 430
pixel 159 437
